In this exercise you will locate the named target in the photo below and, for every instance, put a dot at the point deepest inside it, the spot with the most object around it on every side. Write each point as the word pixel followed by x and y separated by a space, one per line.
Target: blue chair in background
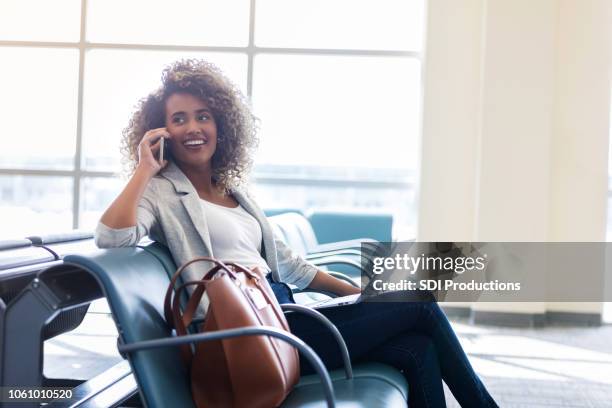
pixel 335 226
pixel 350 257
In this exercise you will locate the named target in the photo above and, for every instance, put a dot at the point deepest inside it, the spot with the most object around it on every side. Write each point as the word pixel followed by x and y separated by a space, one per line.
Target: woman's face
pixel 192 128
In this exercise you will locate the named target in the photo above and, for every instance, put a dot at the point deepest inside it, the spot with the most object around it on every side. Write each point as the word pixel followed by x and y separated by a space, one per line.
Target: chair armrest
pixel 365 252
pixel 340 252
pixel 110 388
pixel 357 244
pixel 74 235
pixel 296 342
pixel 291 307
pixel 339 260
pixel 14 244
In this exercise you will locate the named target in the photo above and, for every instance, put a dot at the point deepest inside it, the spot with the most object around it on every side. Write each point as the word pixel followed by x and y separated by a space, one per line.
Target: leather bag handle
pixel 167 300
pixel 178 320
pixel 196 296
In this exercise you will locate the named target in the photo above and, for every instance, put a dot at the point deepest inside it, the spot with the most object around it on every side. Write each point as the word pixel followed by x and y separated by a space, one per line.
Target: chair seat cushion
pixel 373 385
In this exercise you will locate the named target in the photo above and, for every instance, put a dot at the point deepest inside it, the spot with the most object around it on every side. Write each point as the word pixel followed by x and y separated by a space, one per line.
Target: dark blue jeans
pixel 414 337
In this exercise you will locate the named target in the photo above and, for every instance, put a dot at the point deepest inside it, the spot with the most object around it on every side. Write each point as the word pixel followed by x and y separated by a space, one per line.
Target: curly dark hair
pixel 236 125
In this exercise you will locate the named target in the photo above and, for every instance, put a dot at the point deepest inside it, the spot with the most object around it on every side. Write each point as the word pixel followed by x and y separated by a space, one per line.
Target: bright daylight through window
pixel 336 85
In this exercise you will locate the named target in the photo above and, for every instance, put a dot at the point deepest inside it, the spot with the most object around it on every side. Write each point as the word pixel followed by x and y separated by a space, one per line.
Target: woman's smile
pixel 196 143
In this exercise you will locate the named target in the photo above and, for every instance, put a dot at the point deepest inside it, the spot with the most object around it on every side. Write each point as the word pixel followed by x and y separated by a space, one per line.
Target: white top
pixel 235 235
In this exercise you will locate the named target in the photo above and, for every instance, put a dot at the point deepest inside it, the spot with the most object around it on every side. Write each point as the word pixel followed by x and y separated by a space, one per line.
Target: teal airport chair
pixel 134 281
pixel 334 226
pixel 350 257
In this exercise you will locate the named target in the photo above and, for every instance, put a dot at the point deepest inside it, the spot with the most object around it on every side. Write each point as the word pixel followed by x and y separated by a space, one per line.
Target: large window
pixel 336 84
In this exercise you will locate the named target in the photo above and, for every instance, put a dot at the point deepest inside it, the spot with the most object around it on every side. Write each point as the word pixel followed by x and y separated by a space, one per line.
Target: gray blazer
pixel 170 212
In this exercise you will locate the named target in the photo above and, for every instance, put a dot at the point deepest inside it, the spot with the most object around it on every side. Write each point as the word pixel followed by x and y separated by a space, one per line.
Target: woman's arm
pixel 132 214
pixel 122 212
pixel 326 282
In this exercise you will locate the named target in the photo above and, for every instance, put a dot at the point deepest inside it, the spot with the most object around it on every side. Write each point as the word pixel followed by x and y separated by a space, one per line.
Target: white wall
pixel 516 124
pixel 579 173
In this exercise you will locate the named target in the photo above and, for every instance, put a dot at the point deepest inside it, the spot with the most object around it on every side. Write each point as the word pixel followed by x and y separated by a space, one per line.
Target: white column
pixel 450 122
pixel 516 134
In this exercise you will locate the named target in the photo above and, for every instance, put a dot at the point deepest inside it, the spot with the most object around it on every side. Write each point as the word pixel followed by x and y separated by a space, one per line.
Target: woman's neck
pixel 201 179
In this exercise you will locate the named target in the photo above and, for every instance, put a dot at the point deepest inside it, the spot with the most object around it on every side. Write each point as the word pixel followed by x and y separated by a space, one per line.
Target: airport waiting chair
pixel 134 280
pixel 40 298
pixel 297 228
pixel 350 257
pixel 21 260
pixel 334 226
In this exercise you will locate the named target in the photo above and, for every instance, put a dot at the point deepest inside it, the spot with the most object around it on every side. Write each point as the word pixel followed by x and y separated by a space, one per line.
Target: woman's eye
pixel 203 117
pixel 178 120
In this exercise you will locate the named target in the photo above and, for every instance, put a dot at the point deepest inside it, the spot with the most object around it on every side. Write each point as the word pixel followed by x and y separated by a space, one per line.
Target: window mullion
pixel 251 49
pixel 76 188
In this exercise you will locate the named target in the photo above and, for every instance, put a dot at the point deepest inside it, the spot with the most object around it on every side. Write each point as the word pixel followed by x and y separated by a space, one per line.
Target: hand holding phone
pixel 153 149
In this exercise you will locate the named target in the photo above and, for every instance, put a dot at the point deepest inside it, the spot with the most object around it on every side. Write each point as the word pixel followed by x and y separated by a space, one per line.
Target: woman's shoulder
pixel 244 193
pixel 248 200
pixel 160 187
pixel 159 181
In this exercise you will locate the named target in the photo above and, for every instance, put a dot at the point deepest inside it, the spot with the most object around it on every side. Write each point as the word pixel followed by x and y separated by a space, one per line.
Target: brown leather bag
pixel 249 371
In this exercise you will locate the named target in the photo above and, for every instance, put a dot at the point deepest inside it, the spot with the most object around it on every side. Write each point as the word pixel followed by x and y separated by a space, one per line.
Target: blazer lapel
pixel 191 202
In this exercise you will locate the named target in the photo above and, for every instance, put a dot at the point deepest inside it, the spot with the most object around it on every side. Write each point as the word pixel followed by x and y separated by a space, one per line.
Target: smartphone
pixel 163 150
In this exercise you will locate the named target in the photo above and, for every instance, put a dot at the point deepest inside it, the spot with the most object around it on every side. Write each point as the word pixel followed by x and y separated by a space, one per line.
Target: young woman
pixel 192 202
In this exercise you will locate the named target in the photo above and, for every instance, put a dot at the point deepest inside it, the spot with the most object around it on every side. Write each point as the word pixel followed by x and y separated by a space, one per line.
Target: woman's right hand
pixel 123 212
pixel 148 151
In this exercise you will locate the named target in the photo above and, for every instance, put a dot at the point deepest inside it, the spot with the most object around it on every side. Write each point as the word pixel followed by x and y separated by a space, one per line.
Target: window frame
pixel 78 173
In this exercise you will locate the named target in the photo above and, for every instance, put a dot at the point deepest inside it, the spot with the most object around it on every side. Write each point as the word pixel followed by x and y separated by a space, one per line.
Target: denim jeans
pixel 414 337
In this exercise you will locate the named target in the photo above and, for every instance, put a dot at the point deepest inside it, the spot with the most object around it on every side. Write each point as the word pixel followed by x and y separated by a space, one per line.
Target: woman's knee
pixel 422 347
pixel 417 351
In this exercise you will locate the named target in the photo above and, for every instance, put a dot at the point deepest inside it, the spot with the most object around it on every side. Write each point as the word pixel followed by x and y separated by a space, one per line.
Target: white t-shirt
pixel 235 235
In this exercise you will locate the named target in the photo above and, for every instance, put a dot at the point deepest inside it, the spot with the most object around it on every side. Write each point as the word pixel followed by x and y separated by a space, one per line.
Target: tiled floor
pixel 550 367
pixel 85 352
